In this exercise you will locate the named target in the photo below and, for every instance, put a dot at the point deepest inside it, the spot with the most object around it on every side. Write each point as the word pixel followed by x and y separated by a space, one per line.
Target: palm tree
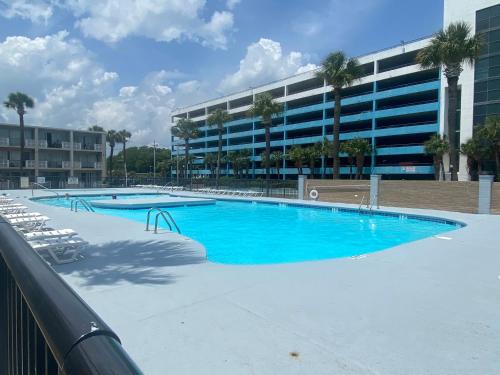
pixel 437 146
pixel 476 150
pixel 361 147
pixel 111 137
pixel 491 132
pixel 347 148
pixel 312 153
pixel 211 162
pixel 298 156
pixel 267 108
pixel 450 49
pixel 123 137
pixel 185 129
pixel 326 151
pixel 218 118
pixel 338 71
pixel 19 102
pixel 277 157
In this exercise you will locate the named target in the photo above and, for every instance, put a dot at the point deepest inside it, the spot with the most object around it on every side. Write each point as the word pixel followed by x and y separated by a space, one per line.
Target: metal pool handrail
pixel 44 187
pixel 161 212
pixel 46 326
pixel 83 202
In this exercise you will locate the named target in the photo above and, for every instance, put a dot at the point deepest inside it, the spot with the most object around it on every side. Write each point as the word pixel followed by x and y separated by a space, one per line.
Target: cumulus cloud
pixel 231 4
pixel 35 11
pixel 113 20
pixel 264 62
pixel 71 89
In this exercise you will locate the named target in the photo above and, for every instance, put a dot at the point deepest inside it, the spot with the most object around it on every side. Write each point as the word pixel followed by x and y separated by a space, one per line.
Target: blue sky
pixel 128 63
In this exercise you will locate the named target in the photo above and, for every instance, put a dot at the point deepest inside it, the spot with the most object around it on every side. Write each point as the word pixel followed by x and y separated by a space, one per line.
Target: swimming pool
pixel 235 232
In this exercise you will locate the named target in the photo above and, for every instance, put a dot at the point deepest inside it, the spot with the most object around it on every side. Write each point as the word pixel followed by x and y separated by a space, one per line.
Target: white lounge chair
pixel 46 234
pixel 12 209
pixel 29 223
pixel 58 249
pixel 22 214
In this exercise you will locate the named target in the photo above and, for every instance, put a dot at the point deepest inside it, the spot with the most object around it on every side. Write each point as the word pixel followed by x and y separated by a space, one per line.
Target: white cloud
pixel 113 20
pixel 35 11
pixel 71 89
pixel 264 62
pixel 231 4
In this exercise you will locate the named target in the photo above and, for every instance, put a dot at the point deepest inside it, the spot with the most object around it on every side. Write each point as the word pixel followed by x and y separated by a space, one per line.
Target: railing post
pixel 301 187
pixel 484 198
pixel 374 190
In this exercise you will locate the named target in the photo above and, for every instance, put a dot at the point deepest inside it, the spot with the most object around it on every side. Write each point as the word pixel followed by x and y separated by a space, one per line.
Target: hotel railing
pixel 45 327
pixel 4 142
pixel 4 164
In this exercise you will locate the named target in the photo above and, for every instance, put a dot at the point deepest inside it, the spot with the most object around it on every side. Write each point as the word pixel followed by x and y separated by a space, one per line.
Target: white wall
pixel 463 10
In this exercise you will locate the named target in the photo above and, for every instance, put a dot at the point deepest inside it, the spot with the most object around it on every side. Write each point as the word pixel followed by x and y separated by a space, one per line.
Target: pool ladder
pixel 83 202
pixel 368 205
pixel 166 217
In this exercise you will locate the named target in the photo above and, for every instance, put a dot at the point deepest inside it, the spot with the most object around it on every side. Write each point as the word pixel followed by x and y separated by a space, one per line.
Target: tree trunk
pixel 351 162
pixel 186 156
pixel 360 162
pixel 452 125
pixel 442 168
pixel 22 145
pixel 112 149
pixel 311 167
pixel 323 172
pixel 219 153
pixel 336 133
pixel 436 167
pixel 268 155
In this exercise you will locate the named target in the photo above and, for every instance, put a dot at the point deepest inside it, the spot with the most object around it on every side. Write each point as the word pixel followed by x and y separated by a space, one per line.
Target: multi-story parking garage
pixel 395 105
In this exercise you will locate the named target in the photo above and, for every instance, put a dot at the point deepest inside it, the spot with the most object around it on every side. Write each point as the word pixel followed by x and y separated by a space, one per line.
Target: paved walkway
pixel 427 307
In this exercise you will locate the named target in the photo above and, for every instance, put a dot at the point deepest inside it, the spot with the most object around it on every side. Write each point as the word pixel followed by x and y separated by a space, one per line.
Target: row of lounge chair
pixel 241 193
pixel 61 245
pixel 158 187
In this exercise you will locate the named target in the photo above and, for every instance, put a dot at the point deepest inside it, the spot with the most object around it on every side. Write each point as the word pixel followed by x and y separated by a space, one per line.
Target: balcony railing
pixel 30 163
pixel 31 143
pixel 98 147
pixel 77 146
pixel 66 164
pixel 4 142
pixel 43 163
pixel 4 164
pixel 66 145
pixel 77 164
pixel 45 327
pixel 98 165
pixel 42 143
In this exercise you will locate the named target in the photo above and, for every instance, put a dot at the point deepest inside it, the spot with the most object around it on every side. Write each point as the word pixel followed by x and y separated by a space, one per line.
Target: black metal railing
pixel 45 327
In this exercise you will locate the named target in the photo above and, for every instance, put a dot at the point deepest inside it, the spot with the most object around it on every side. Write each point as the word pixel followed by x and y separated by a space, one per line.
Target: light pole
pixel 154 162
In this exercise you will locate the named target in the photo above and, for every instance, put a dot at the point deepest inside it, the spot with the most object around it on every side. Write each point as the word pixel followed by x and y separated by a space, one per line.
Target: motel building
pixel 396 105
pixel 55 158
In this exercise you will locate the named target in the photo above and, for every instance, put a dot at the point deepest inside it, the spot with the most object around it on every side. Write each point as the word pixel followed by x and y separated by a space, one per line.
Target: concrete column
pixel 484 199
pixel 36 154
pixel 302 187
pixel 374 190
pixel 71 155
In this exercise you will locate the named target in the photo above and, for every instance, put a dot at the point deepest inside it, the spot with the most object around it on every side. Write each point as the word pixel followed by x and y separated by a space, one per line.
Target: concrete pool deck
pixel 426 307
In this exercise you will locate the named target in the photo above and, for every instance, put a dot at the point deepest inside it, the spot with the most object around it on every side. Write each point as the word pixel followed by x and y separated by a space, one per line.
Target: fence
pixel 45 327
pixel 437 195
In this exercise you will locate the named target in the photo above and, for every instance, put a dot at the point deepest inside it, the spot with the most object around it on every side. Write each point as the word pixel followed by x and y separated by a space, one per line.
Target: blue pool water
pixel 257 233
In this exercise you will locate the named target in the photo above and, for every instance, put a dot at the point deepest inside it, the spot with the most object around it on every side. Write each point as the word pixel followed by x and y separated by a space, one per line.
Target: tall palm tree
pixel 123 137
pixel 476 150
pixel 267 108
pixel 111 137
pixel 185 129
pixel 437 146
pixel 277 157
pixel 450 49
pixel 218 118
pixel 312 154
pixel 19 102
pixel 338 71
